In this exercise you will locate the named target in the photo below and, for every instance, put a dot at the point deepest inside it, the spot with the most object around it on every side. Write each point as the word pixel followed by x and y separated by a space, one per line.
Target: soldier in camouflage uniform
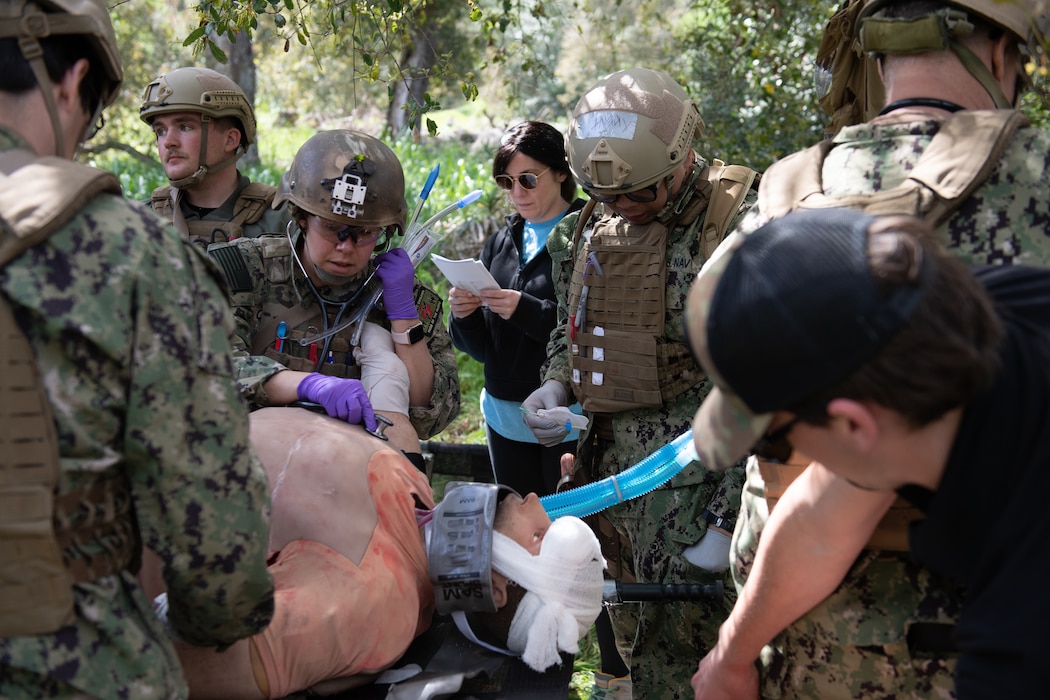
pixel 204 123
pixel 658 196
pixel 346 192
pixel 129 330
pixel 874 624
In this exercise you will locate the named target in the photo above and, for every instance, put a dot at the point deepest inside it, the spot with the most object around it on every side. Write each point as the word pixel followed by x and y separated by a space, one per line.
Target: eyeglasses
pixel 526 180
pixel 775 446
pixel 336 233
pixel 643 196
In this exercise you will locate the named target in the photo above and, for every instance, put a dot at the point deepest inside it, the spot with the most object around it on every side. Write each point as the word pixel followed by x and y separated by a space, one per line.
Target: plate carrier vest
pixel 42 533
pixel 251 205
pixel 632 365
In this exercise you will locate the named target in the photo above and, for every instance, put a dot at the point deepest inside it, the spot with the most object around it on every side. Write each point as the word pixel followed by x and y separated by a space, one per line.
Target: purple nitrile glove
pixel 398 276
pixel 342 398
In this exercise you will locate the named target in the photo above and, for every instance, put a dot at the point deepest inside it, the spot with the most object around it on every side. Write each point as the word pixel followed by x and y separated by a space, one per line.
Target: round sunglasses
pixel 526 180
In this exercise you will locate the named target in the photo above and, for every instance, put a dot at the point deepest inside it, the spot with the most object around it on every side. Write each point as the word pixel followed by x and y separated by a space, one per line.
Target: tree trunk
pixel 416 62
pixel 240 67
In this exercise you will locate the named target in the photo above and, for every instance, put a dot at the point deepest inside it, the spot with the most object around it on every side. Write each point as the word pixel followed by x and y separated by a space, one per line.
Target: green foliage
pixel 371 44
pixel 751 65
pixel 584 665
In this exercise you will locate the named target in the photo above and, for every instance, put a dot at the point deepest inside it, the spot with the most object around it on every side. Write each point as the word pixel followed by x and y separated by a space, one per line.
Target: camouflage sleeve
pixel 559 245
pixel 251 371
pixel 201 495
pixel 444 400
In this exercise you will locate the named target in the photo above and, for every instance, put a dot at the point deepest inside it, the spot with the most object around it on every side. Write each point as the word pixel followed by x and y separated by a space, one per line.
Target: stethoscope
pixel 326 305
pixel 327 332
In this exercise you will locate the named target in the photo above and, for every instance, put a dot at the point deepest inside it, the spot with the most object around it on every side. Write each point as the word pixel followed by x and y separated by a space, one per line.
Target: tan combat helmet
pixel 631 129
pixel 205 92
pixel 29 21
pixel 348 177
pixel 942 30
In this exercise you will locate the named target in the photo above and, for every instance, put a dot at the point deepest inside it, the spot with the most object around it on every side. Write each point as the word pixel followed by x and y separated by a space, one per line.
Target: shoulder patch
pixel 233 267
pixel 428 305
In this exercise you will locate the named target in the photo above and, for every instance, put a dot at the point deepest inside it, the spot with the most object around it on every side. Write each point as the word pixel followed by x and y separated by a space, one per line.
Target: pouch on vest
pixel 612 355
pixel 729 187
pixel 339 362
pixel 619 358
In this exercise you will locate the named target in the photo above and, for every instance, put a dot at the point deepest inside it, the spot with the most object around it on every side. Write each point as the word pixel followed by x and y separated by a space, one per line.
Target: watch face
pixel 416 334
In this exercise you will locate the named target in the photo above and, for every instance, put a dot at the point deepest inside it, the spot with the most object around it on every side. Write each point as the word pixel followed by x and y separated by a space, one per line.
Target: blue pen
pixel 282 333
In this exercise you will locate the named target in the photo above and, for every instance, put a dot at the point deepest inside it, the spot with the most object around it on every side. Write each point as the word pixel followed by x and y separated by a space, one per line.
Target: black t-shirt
pixel 988 524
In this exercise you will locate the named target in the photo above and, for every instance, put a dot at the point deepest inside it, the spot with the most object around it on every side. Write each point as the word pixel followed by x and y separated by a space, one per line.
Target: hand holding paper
pixel 462 302
pixel 502 302
pixel 470 275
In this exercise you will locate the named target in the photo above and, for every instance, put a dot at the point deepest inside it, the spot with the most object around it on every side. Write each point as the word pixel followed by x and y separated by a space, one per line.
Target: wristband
pixel 410 337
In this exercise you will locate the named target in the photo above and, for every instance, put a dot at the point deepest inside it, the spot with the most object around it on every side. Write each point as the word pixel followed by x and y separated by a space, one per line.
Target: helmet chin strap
pixel 979 70
pixel 203 168
pixel 34 55
pixel 674 207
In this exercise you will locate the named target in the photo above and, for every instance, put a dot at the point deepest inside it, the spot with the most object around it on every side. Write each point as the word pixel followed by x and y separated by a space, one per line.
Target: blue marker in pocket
pixel 282 333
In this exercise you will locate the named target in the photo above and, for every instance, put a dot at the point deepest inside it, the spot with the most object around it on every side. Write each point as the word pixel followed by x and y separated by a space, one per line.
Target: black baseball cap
pixel 781 314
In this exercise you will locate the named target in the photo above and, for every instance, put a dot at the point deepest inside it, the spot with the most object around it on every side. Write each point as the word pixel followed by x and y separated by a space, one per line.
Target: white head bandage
pixel 563 590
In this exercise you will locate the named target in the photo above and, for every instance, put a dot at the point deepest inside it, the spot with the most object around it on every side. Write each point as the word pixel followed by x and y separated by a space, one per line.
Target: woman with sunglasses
pixel 507 329
pixel 345 192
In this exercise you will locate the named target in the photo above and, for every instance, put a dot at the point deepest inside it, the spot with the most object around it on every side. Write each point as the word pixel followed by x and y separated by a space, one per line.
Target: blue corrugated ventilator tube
pixel 652 472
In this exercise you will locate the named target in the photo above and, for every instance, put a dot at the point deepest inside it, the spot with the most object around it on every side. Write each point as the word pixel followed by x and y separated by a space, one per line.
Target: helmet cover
pixel 200 90
pixel 348 177
pixel 631 129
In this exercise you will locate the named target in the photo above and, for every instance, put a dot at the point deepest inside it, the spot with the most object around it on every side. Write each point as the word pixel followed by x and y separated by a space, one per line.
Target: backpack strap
pixel 729 186
pixel 963 154
pixel 253 201
pixel 160 201
pixel 251 205
pixel 793 180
